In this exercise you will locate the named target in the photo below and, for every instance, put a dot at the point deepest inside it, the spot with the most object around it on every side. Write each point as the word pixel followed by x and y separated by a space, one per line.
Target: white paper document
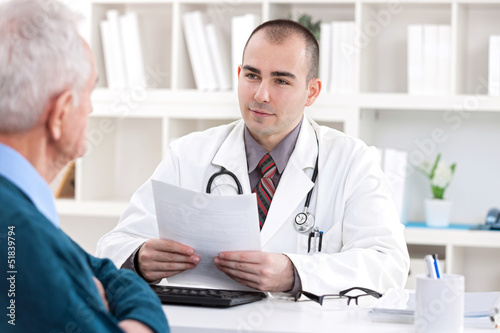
pixel 210 224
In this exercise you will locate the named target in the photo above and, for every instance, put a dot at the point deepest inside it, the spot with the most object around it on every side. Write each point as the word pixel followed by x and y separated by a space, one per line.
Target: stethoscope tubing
pixel 308 216
pixel 224 171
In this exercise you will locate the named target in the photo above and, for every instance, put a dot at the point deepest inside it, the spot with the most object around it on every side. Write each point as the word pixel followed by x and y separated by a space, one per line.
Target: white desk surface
pixel 282 316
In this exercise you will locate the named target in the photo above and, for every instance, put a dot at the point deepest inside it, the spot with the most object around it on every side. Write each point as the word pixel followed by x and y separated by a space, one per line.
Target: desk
pixel 280 316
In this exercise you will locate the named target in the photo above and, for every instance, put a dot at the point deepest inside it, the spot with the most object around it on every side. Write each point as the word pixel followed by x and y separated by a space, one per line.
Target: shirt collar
pixel 280 154
pixel 21 173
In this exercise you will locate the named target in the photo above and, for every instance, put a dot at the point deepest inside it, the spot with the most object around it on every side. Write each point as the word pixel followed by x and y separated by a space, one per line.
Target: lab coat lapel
pixel 294 184
pixel 232 156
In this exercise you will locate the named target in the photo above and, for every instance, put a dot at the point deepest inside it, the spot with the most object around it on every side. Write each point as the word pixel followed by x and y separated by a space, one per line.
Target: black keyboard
pixel 205 297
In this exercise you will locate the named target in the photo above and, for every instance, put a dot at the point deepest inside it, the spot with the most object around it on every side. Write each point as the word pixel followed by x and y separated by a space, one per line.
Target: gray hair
pixel 42 54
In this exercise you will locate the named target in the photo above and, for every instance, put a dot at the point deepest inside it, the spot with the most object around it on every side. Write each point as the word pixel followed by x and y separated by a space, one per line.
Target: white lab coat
pixel 363 242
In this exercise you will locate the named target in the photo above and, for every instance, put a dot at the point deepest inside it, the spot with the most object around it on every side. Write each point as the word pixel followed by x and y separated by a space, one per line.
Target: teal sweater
pixel 46 279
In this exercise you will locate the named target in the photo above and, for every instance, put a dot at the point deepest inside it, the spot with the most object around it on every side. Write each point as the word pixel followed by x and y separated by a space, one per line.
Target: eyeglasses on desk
pixel 350 294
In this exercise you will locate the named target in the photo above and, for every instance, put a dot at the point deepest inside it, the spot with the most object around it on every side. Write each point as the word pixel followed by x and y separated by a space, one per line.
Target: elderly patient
pixel 47 74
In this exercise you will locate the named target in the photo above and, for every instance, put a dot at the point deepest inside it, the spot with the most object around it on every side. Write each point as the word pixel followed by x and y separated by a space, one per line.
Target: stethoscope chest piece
pixel 304 222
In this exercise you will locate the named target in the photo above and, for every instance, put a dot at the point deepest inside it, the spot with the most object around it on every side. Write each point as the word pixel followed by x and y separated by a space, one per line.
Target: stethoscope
pixel 304 221
pixel 224 171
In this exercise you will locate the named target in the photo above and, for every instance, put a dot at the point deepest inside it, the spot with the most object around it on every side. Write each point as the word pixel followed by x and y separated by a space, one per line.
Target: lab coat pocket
pixel 332 239
pixel 302 243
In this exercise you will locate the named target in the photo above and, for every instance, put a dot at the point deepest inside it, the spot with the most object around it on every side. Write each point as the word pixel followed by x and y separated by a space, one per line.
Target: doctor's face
pixel 272 87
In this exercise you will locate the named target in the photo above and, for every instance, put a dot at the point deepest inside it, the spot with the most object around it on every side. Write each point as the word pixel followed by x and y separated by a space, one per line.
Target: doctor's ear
pixel 313 90
pixel 58 114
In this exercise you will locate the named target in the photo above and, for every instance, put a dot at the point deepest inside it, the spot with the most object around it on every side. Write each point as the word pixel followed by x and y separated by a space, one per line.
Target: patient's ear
pixel 61 109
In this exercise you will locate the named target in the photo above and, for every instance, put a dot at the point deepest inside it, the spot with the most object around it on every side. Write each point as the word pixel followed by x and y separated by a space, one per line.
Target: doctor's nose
pixel 262 93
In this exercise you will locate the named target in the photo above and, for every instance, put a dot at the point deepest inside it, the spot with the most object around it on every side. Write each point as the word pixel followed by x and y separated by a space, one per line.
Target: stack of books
pixel 481 310
pixel 209 51
pixel 241 28
pixel 429 65
pixel 122 51
pixel 338 57
pixel 394 163
pixel 494 66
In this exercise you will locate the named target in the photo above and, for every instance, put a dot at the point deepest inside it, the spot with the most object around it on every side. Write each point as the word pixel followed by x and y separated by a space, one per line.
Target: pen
pixel 436 265
pixel 320 240
pixel 317 241
pixel 431 269
pixel 309 242
pixel 315 246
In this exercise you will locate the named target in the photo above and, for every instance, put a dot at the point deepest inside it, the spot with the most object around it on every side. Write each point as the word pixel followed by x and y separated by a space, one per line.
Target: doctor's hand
pixel 159 258
pixel 264 271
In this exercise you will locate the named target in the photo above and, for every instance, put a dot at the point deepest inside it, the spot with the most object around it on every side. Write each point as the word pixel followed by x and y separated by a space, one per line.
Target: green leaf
pixel 437 192
pixel 435 166
pixel 315 27
pixel 422 171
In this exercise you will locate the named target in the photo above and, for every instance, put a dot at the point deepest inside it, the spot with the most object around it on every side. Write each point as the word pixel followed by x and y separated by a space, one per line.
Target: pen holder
pixel 439 304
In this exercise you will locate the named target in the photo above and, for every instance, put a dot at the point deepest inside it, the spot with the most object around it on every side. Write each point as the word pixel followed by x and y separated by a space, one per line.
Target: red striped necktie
pixel 265 188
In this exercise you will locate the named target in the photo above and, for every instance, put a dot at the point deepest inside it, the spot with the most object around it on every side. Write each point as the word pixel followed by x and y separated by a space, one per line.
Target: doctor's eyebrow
pixel 252 69
pixel 275 73
pixel 285 74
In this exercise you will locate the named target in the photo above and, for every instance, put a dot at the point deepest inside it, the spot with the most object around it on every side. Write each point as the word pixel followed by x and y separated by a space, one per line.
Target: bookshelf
pixel 129 130
pixel 466 252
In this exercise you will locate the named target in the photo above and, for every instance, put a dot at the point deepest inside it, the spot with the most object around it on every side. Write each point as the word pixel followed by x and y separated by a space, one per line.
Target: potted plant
pixel 307 21
pixel 438 209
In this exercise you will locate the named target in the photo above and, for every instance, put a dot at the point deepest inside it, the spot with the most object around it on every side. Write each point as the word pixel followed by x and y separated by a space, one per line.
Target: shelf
pixel 454 237
pixel 157 103
pixel 411 2
pixel 188 104
pixel 430 103
pixel 120 2
pixel 312 2
pixel 68 207
pixel 164 95
pixel 402 101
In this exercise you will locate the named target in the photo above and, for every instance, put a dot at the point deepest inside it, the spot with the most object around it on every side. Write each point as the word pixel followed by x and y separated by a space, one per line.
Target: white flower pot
pixel 437 212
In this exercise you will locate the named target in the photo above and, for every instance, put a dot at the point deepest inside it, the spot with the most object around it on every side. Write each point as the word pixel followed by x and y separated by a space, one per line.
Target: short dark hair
pixel 277 31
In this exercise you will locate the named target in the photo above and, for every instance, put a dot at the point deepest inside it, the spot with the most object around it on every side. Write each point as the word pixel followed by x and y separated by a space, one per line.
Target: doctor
pixel 362 242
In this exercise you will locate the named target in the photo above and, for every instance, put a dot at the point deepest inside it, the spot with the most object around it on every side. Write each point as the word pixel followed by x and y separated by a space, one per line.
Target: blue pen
pixel 436 265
